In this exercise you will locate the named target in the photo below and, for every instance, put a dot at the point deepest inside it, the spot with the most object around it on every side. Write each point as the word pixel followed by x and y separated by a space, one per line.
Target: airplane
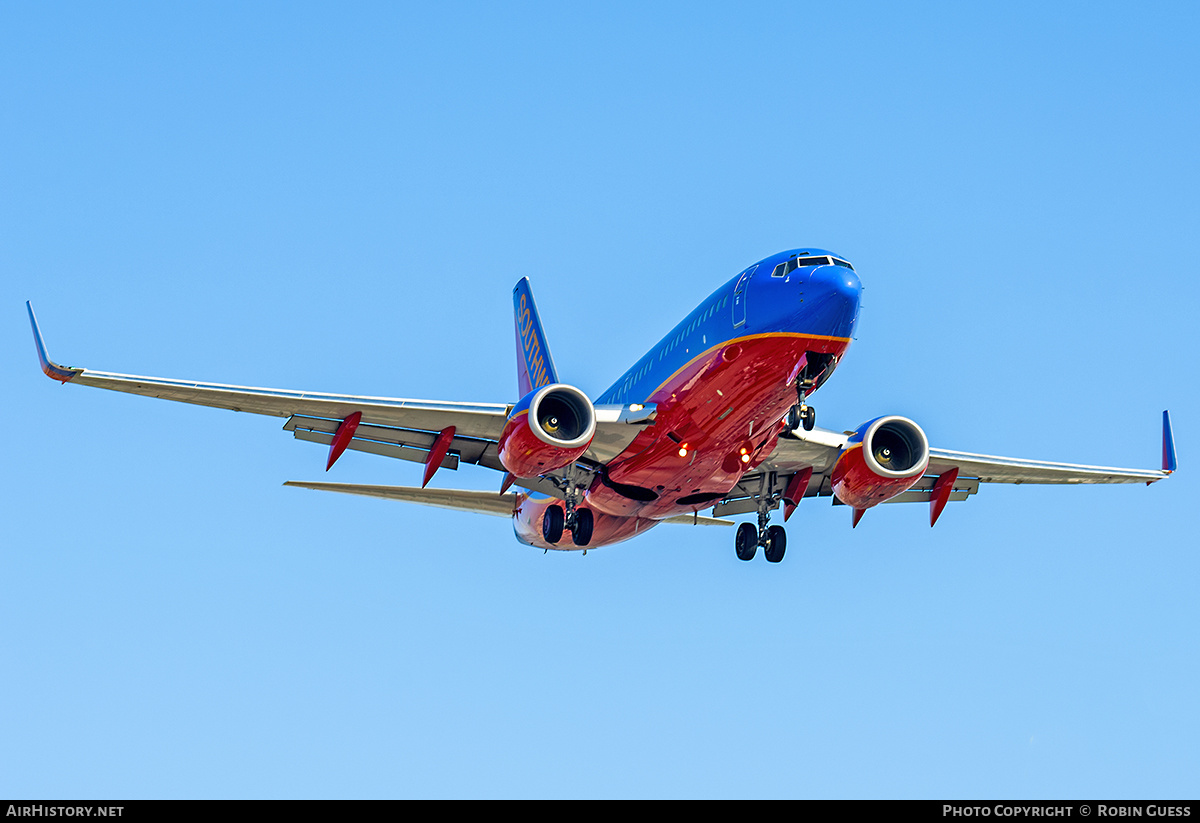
pixel 715 416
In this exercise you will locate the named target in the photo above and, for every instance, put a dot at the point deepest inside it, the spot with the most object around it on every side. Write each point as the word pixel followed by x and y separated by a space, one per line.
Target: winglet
pixel 52 369
pixel 1168 455
pixel 535 366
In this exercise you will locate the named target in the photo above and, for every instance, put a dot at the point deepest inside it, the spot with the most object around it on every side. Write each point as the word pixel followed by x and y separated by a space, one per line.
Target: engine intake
pixel 884 458
pixel 550 428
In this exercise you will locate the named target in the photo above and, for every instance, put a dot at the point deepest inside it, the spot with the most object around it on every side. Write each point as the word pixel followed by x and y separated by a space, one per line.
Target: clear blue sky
pixel 341 199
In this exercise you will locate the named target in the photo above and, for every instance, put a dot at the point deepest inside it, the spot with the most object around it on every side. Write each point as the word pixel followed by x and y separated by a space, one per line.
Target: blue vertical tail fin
pixel 535 367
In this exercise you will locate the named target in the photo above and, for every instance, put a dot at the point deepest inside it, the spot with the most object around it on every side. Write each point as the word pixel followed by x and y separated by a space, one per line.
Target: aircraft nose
pixel 835 292
pixel 842 281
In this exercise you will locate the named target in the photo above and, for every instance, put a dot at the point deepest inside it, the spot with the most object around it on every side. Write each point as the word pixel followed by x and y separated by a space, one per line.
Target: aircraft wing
pixel 818 450
pixel 393 427
pixel 990 469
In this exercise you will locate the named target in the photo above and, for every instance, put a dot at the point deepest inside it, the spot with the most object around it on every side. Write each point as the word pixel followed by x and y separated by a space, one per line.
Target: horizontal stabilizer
pixel 689 520
pixel 501 505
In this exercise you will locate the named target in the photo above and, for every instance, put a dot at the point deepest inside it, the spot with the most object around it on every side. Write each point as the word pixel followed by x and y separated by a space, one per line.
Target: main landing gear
pixel 580 522
pixel 772 539
pixel 555 521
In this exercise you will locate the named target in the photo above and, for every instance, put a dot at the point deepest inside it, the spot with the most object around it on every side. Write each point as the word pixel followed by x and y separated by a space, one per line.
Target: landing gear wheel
pixel 776 543
pixel 581 534
pixel 746 541
pixel 798 416
pixel 794 418
pixel 552 524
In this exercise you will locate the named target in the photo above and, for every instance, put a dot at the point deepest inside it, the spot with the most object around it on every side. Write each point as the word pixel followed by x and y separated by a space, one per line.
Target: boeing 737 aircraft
pixel 716 416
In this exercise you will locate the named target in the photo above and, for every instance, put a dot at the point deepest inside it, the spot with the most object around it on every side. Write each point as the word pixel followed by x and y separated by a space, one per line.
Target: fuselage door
pixel 739 297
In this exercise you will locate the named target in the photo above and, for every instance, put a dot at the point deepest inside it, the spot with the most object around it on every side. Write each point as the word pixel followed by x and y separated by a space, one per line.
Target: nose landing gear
pixel 802 414
pixel 817 368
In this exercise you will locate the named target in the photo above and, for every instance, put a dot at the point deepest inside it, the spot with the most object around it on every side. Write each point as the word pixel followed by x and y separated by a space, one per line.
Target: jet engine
pixel 884 458
pixel 550 428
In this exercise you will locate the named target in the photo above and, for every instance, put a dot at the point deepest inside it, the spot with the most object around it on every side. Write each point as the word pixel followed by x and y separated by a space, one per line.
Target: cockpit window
pixel 786 268
pixel 791 265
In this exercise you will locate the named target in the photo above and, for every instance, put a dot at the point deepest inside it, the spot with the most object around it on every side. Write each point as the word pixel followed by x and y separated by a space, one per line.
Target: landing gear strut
pixel 803 414
pixel 806 415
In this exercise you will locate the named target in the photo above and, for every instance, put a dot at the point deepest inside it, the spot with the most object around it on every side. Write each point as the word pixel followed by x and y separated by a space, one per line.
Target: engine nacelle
pixel 884 458
pixel 550 428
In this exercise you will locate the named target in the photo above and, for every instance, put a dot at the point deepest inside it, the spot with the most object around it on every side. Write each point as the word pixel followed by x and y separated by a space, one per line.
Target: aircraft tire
pixel 810 419
pixel 746 541
pixel 552 524
pixel 585 521
pixel 776 543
